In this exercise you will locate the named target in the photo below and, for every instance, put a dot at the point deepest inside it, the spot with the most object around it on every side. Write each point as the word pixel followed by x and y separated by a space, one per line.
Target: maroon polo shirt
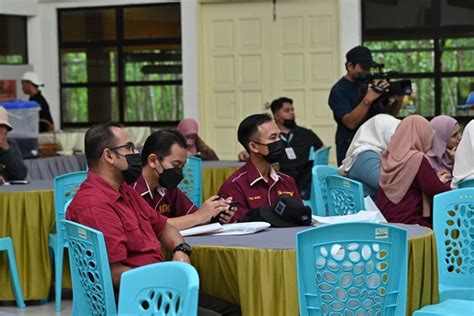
pixel 170 203
pixel 250 189
pixel 130 226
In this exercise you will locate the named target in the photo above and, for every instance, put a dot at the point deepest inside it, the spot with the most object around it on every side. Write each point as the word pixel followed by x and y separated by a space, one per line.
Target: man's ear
pixel 152 160
pixel 253 147
pixel 107 155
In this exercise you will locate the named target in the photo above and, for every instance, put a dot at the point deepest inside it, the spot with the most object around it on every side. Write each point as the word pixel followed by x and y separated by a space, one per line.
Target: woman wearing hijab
pixel 463 165
pixel 407 180
pixel 195 146
pixel 362 162
pixel 446 139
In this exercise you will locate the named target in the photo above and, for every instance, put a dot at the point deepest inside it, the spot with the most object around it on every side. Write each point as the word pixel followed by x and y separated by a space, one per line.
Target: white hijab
pixel 375 135
pixel 463 162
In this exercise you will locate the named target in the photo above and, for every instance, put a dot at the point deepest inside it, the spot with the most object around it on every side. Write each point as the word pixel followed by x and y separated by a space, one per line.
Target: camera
pixel 398 87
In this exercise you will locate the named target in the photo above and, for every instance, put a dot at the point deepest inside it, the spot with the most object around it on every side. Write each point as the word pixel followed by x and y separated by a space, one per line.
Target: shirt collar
pixel 143 188
pixel 254 175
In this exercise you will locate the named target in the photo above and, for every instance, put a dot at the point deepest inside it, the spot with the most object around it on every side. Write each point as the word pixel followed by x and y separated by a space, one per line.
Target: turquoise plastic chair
pixel 168 288
pixel 447 308
pixel 352 269
pixel 93 292
pixel 318 193
pixel 345 196
pixel 6 244
pixel 65 187
pixel 320 156
pixel 192 182
pixel 466 183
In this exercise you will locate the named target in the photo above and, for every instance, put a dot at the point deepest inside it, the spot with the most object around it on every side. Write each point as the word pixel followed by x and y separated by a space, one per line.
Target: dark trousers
pixel 213 306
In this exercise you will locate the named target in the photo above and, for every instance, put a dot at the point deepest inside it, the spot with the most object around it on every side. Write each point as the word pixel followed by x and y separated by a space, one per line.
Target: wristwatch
pixel 184 247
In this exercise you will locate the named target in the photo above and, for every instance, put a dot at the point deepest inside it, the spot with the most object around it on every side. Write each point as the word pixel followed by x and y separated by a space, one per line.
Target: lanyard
pixel 287 141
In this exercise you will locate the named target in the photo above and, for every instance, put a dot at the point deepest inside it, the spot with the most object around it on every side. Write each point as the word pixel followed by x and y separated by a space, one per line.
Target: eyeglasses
pixel 128 146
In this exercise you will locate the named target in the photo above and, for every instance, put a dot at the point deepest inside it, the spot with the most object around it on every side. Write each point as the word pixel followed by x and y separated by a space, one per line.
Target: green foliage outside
pixel 417 56
pixel 11 59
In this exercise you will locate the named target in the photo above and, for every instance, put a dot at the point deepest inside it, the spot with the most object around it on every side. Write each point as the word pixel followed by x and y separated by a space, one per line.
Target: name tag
pixel 290 153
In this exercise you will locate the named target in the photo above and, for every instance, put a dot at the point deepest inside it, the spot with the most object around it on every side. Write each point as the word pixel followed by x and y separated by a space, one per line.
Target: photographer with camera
pixel 356 97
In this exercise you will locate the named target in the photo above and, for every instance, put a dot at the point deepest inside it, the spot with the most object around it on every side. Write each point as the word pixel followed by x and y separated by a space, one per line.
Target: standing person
pixel 257 184
pixel 12 166
pixel 195 146
pixel 163 159
pixel 407 180
pixel 463 166
pixel 297 142
pixel 362 162
pixel 31 84
pixel 350 108
pixel 133 231
pixel 446 140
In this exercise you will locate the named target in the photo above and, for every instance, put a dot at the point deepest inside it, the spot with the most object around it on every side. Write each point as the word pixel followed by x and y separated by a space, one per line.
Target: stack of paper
pixel 226 229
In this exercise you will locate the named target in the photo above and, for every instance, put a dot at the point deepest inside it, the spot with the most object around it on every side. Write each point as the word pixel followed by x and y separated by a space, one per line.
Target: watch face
pixel 184 247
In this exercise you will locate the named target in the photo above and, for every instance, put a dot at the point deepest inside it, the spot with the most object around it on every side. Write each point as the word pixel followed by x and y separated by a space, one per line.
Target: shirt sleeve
pixel 429 181
pixel 231 189
pixel 339 103
pixel 182 205
pixel 292 187
pixel 15 167
pixel 317 143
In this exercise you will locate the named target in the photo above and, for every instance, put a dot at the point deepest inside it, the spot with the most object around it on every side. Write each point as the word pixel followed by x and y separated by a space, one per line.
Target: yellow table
pixel 259 271
pixel 214 173
pixel 27 216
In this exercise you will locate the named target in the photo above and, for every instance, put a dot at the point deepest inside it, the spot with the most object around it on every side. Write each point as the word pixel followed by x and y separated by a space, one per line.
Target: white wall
pixel 19 7
pixel 350 26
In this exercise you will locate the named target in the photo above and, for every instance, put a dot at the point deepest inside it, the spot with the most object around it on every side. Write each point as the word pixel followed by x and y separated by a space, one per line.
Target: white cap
pixel 4 118
pixel 33 78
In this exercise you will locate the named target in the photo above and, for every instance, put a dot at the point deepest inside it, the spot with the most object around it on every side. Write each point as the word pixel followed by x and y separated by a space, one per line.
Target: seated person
pixel 195 146
pixel 163 158
pixel 12 166
pixel 362 162
pixel 463 166
pixel 133 231
pixel 256 184
pixel 446 140
pixel 407 180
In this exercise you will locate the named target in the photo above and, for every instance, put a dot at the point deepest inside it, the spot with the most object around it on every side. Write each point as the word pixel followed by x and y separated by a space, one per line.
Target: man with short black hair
pixel 257 184
pixel 163 158
pixel 297 141
pixel 30 83
pixel 349 107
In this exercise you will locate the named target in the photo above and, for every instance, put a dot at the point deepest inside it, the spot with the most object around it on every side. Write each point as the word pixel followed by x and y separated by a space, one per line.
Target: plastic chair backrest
pixel 191 185
pixel 466 183
pixel 320 156
pixel 65 187
pixel 318 193
pixel 345 196
pixel 168 288
pixel 352 269
pixel 90 271
pixel 453 224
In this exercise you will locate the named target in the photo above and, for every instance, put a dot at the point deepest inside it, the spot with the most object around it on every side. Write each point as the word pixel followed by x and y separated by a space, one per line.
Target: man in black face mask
pixel 297 141
pixel 163 158
pixel 257 184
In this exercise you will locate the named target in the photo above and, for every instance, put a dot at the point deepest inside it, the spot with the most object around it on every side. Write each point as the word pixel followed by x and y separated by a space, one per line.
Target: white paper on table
pixel 361 217
pixel 370 205
pixel 203 229
pixel 241 228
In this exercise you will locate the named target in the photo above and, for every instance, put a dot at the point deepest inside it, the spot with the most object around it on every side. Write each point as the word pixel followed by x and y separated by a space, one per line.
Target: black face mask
pixel 134 170
pixel 170 178
pixel 275 151
pixel 289 123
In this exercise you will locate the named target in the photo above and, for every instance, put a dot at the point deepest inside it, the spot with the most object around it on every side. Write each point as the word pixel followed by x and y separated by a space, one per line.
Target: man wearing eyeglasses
pixel 133 231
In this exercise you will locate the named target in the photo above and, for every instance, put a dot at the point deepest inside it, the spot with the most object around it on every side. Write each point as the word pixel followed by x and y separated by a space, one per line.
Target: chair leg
pixel 14 277
pixel 58 269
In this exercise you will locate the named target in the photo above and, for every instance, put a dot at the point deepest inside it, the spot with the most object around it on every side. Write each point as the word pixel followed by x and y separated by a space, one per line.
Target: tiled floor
pixel 37 309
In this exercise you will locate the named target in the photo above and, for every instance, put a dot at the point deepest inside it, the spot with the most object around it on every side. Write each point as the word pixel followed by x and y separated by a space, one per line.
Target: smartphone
pixel 233 203
pixel 19 182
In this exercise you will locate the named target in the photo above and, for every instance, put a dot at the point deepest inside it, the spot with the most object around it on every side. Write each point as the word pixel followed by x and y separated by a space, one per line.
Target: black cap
pixel 287 212
pixel 361 55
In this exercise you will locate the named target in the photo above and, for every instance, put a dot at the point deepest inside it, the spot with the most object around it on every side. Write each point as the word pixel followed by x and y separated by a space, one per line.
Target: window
pixel 13 48
pixel 121 64
pixel 431 42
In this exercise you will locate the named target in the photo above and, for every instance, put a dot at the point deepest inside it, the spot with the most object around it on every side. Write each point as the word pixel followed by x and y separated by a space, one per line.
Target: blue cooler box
pixel 24 118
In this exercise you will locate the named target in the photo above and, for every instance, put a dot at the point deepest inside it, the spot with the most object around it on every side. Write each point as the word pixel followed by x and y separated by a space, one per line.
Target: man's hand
pixel 3 139
pixel 372 95
pixel 212 207
pixel 445 176
pixel 181 256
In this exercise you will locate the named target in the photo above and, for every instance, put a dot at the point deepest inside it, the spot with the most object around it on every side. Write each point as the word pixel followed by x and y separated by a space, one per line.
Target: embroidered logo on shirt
pixel 164 208
pixel 256 197
pixel 290 193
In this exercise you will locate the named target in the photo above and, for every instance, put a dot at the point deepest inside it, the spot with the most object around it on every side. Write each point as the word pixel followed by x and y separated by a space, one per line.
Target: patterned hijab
pixel 187 127
pixel 439 158
pixel 402 159
pixel 463 164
